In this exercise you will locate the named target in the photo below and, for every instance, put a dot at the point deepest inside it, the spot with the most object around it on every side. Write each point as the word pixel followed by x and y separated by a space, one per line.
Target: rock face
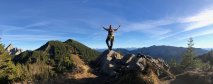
pixel 113 64
pixel 12 50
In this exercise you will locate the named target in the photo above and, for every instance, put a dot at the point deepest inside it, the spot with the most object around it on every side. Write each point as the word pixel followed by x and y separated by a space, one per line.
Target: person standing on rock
pixel 110 37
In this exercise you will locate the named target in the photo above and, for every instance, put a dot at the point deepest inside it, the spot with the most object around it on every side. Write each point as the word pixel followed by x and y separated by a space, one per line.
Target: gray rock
pixel 108 62
pixel 12 50
pixel 114 64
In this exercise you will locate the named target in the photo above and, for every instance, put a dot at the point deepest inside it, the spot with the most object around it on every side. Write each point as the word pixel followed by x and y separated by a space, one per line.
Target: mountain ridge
pixel 207 57
pixel 58 54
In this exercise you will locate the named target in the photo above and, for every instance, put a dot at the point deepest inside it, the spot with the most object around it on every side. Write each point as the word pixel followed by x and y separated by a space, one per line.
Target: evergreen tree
pixel 8 71
pixel 189 55
pixel 189 60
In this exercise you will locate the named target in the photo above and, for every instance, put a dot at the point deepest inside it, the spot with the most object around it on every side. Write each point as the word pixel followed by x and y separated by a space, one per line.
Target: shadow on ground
pixel 193 78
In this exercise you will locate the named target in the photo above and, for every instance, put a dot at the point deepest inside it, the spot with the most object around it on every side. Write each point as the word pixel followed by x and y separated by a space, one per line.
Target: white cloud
pixel 202 19
pixel 199 20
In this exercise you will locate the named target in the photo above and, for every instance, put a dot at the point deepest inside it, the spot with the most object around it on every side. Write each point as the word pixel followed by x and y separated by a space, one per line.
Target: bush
pixel 198 63
pixel 38 72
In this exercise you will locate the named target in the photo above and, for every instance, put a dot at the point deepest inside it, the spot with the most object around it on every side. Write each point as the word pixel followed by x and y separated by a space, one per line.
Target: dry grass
pixel 151 78
pixel 81 70
pixel 38 72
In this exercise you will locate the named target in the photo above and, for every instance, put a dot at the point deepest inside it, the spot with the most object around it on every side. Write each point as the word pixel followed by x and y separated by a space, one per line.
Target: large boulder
pixel 108 61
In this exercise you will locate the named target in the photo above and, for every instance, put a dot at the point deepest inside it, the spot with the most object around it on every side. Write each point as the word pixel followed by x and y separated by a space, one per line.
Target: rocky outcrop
pixel 108 61
pixel 12 50
pixel 115 65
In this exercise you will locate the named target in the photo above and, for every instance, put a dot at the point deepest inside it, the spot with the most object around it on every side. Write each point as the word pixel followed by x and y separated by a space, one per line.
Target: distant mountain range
pixel 207 48
pixel 165 52
pixel 128 49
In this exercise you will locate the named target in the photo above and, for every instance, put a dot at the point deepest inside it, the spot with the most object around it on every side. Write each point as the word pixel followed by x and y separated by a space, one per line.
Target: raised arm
pixel 105 28
pixel 117 28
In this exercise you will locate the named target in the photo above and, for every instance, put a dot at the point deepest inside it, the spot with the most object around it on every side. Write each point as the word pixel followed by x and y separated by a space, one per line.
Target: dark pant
pixel 111 39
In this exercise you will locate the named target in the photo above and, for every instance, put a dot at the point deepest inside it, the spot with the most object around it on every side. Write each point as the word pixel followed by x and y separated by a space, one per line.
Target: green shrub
pixel 8 71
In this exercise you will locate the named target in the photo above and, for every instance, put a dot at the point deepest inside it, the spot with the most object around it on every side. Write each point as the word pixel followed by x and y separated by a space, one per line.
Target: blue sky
pixel 28 24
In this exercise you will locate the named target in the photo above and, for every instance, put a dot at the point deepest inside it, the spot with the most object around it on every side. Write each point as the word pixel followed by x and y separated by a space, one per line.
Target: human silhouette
pixel 110 36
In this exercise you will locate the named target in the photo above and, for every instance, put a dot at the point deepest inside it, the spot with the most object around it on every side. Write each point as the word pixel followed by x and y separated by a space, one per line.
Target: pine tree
pixel 8 71
pixel 189 55
pixel 189 60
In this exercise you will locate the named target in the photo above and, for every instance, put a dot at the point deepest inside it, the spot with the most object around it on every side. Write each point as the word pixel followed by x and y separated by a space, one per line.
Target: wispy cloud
pixel 197 34
pixel 43 30
pixel 27 33
pixel 202 19
pixel 152 27
pixel 42 23
pixel 158 28
pixel 7 28
pixel 32 37
pixel 199 20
